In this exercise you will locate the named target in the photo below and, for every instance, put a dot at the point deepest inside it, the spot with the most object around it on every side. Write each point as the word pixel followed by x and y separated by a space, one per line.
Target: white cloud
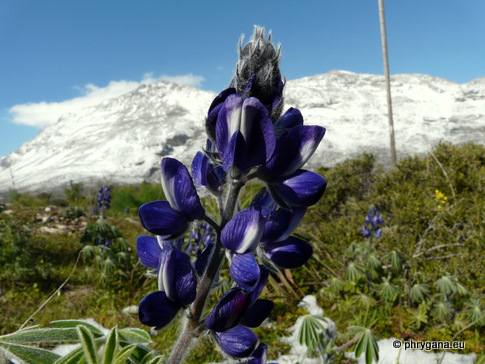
pixel 42 113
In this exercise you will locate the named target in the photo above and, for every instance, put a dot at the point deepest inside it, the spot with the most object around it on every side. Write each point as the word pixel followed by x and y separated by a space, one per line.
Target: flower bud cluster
pixel 248 138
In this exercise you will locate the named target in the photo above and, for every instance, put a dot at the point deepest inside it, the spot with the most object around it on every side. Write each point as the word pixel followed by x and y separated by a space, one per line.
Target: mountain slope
pixel 122 140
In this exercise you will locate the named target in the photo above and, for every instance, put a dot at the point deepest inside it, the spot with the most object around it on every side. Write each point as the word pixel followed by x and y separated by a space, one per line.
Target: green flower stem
pixel 192 324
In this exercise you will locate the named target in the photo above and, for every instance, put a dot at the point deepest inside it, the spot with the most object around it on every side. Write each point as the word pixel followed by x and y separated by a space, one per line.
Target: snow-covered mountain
pixel 122 140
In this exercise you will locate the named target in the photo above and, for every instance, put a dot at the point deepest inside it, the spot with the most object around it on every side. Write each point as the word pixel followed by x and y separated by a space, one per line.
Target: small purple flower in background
pixel 371 224
pixel 248 137
pixel 104 200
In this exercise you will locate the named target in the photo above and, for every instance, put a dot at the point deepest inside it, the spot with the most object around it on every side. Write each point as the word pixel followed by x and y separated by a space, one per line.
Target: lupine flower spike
pixel 371 224
pixel 248 137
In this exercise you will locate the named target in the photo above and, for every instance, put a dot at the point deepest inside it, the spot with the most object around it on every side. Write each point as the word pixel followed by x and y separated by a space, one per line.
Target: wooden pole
pixel 388 81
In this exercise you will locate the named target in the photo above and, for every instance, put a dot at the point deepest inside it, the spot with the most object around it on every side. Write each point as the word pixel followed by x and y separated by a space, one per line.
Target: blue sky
pixel 58 56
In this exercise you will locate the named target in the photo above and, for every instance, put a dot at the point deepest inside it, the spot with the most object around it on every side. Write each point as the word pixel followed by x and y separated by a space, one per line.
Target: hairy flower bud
pixel 258 66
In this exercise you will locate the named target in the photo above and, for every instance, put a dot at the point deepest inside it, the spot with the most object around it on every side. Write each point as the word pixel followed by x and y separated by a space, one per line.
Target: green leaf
pixel 74 357
pixel 124 354
pixel 366 343
pixel 387 291
pixel 136 336
pixel 396 261
pixel 157 360
pixel 87 342
pixel 446 285
pixel 45 335
pixel 111 346
pixel 74 323
pixel 417 292
pixel 28 354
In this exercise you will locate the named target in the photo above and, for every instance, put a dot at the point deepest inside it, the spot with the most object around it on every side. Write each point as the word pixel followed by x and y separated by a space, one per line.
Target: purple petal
pixel 257 313
pixel 201 263
pixel 199 168
pixel 263 279
pixel 244 270
pixel 282 223
pixel 302 188
pixel 264 200
pixel 228 121
pixel 178 277
pixel 307 138
pixel 292 117
pixel 179 189
pixel 290 253
pixel 205 174
pixel 228 311
pixel 157 310
pixel 235 153
pixel 293 150
pixel 160 219
pixel 258 131
pixel 217 104
pixel 148 251
pixel 238 342
pixel 260 355
pixel 243 232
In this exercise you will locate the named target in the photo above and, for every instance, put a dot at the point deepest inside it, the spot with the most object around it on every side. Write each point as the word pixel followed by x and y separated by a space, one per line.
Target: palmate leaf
pixel 354 271
pixel 366 343
pixel 418 291
pixel 419 317
pixel 446 285
pixel 387 291
pixel 27 354
pixel 310 329
pixel 396 261
pixel 441 311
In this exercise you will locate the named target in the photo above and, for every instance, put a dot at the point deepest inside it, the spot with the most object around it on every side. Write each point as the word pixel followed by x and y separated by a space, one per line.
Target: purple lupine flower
pixel 295 144
pixel 276 244
pixel 234 313
pixel 171 218
pixel 248 137
pixel 244 133
pixel 206 174
pixel 260 355
pixel 104 197
pixel 177 281
pixel 371 224
pixel 241 236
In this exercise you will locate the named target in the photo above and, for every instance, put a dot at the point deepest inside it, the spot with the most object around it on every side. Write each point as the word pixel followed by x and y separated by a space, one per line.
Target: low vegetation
pixel 423 279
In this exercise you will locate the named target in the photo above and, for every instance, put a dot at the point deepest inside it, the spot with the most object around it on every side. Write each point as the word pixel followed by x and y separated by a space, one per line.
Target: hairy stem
pixel 191 327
